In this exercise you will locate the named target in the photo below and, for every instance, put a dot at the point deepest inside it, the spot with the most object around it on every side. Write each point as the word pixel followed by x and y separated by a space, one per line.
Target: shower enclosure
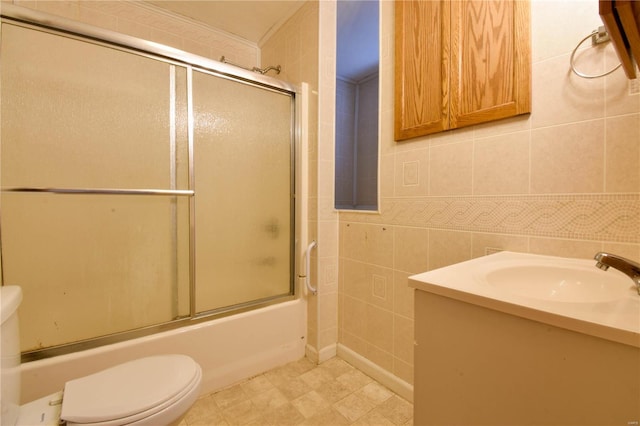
pixel 142 188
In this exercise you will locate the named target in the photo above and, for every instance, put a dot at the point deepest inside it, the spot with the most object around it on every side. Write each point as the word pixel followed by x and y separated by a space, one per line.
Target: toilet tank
pixel 10 298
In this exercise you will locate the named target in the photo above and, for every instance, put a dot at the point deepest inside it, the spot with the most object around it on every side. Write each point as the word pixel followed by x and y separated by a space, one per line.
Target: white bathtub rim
pixel 220 368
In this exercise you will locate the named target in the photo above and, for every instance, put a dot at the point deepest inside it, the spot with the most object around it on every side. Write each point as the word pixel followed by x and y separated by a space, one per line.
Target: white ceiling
pixel 249 19
pixel 256 20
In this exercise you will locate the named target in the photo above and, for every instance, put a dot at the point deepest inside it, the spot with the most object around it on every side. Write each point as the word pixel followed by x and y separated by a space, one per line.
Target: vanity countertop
pixel 564 304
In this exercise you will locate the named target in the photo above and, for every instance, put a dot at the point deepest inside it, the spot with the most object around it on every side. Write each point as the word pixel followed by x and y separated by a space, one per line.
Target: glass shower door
pixel 243 180
pixel 138 193
pixel 79 115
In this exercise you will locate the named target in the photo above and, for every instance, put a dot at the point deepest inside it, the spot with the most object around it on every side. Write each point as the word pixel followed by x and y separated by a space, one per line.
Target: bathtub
pixel 228 349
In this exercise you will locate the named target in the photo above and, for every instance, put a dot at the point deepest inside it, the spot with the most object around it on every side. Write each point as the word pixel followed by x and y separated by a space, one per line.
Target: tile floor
pixel 302 393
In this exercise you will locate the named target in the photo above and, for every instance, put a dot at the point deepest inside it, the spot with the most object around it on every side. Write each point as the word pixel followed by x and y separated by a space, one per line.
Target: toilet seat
pixel 130 392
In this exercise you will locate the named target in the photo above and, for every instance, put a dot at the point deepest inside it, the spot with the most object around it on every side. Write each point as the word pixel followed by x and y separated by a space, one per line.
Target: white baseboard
pixel 312 354
pixel 325 353
pixel 396 384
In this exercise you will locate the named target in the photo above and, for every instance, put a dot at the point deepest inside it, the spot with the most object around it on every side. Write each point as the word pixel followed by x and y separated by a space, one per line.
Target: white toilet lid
pixel 127 389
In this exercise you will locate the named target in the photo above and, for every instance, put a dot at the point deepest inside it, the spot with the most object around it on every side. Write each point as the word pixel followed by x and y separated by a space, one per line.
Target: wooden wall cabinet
pixel 460 63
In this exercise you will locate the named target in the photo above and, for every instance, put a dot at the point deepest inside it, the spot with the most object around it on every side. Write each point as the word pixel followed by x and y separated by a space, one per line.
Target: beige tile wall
pixel 327 217
pixel 564 180
pixel 295 47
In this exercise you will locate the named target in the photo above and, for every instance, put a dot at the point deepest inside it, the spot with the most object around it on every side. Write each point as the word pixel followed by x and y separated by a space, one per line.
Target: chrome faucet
pixel 626 266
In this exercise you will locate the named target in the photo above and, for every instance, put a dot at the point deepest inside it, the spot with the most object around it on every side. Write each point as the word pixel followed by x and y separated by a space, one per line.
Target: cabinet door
pixel 460 63
pixel 421 68
pixel 491 50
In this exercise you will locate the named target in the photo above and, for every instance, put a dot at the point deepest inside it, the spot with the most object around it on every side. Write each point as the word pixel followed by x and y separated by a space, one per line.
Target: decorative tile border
pixel 600 217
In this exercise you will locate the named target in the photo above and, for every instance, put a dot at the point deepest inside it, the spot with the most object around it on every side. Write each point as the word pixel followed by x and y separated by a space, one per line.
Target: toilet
pixel 155 390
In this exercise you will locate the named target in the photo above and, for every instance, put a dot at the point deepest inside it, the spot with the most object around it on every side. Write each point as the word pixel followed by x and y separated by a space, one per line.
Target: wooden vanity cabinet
pixel 460 63
pixel 479 366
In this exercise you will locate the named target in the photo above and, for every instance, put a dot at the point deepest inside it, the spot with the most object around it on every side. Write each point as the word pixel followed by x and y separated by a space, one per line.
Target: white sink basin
pixel 568 293
pixel 555 281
